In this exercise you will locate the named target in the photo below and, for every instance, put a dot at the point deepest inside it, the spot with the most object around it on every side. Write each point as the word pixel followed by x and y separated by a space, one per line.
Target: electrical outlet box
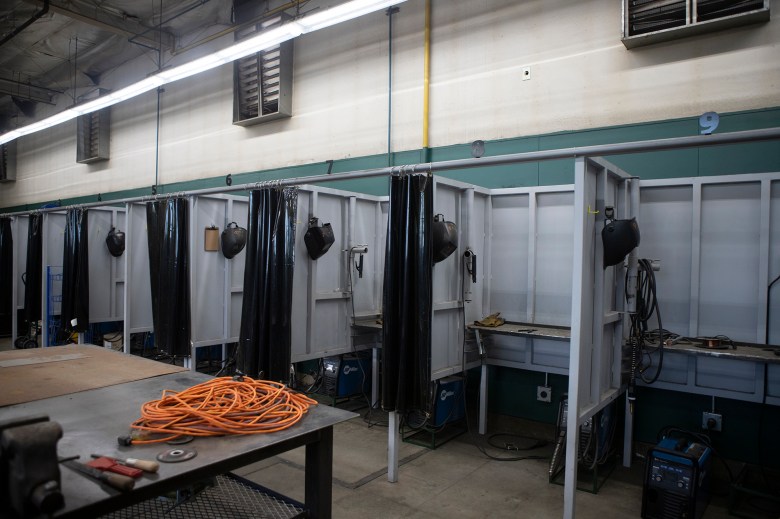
pixel 711 421
pixel 544 393
pixel 526 73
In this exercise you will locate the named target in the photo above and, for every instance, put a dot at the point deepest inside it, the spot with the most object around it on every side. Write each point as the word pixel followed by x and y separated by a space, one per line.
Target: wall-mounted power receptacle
pixel 544 393
pixel 711 421
pixel 525 73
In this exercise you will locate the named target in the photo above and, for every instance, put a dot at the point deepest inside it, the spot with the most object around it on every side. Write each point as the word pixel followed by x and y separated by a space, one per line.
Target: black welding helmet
pixel 233 240
pixel 318 238
pixel 115 241
pixel 619 237
pixel 444 238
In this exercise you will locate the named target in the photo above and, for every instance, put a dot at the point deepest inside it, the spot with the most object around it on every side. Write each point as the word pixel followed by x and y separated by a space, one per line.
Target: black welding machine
pixel 677 480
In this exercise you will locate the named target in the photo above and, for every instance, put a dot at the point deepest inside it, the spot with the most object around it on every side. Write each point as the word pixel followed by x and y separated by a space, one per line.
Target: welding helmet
pixel 233 240
pixel 115 241
pixel 444 238
pixel 619 237
pixel 318 238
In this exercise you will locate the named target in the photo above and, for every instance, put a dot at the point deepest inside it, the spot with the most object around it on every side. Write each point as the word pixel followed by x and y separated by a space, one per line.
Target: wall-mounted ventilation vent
pixel 92 142
pixel 262 82
pixel 8 162
pixel 653 21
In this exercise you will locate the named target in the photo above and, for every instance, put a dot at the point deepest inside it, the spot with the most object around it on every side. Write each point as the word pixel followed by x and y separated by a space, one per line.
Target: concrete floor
pixel 453 481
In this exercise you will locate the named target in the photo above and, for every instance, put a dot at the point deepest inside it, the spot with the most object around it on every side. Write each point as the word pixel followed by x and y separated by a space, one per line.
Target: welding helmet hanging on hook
pixel 444 237
pixel 619 237
pixel 318 238
pixel 115 241
pixel 233 240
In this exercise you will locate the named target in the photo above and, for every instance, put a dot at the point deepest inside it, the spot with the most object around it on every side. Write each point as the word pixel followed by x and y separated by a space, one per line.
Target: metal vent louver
pixel 652 21
pixel 8 162
pixel 263 81
pixel 93 136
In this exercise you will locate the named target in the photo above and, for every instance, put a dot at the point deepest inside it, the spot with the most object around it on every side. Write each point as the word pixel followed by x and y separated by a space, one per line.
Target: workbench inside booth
pixel 93 415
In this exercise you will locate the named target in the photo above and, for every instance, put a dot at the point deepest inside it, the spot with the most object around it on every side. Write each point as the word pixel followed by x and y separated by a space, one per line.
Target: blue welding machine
pixel 346 375
pixel 448 403
pixel 677 480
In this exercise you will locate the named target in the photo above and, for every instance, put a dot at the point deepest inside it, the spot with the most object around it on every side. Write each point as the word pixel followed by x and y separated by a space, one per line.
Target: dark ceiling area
pixel 53 48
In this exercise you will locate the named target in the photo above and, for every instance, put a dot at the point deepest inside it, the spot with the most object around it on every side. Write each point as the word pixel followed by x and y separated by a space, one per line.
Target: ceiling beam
pixel 116 24
pixel 27 91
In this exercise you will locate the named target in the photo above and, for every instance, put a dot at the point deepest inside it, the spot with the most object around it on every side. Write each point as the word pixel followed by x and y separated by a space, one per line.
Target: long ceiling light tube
pixel 267 39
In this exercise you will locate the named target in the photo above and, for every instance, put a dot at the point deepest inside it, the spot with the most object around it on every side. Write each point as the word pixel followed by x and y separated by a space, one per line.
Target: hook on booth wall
pixel 360 250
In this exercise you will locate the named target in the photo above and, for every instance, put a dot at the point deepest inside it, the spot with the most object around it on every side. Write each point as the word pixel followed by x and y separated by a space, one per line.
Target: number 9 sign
pixel 708 122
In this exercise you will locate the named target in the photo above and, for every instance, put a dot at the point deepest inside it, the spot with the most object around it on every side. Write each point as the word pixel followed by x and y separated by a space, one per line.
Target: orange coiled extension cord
pixel 221 406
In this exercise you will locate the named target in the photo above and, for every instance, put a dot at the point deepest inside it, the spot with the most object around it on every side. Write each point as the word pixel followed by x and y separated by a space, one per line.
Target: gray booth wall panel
pixel 239 214
pixel 446 282
pixel 20 245
pixel 208 287
pixel 330 271
pixel 726 374
pixel 102 266
pixel 330 324
pixel 479 244
pixel 675 370
pixel 665 226
pixel 139 289
pixel 554 256
pixel 446 343
pixel 54 238
pixel 119 270
pixel 729 260
pixel 774 263
pixel 773 380
pixel 364 290
pixel 304 266
pixel 509 256
pixel 549 353
pixel 510 349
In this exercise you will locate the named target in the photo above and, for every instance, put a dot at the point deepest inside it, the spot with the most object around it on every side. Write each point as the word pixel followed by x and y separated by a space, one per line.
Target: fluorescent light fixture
pixel 265 40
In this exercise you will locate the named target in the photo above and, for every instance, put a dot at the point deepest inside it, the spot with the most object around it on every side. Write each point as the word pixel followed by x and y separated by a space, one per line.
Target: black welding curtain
pixel 407 297
pixel 6 276
pixel 167 230
pixel 75 272
pixel 266 321
pixel 34 269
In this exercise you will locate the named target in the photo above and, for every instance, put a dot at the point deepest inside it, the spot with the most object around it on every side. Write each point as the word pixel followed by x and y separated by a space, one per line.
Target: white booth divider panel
pixel 20 245
pixel 119 269
pixel 366 298
pixel 105 271
pixel 509 257
pixel 322 309
pixel 478 242
pixel 139 289
pixel 240 215
pixel 53 241
pixel 207 271
pixel 554 225
pixel 665 226
pixel 774 265
pixel 729 245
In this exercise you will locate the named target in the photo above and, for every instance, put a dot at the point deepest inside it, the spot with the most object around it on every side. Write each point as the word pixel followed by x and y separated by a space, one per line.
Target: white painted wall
pixel 582 77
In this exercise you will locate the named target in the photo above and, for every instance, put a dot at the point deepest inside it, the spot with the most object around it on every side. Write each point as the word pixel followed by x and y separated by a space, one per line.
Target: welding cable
pixel 219 407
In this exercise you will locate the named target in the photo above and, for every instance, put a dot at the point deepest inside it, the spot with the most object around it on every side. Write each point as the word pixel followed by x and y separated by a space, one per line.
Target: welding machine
pixel 677 480
pixel 448 402
pixel 346 375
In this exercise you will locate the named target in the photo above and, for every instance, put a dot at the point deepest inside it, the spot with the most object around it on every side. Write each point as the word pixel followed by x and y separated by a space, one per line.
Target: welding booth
pixel 534 255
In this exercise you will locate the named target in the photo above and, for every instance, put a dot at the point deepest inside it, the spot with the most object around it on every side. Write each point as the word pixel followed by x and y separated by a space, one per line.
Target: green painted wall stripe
pixel 733 159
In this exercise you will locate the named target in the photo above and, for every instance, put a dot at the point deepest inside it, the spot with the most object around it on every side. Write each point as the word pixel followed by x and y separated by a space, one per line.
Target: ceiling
pixel 51 49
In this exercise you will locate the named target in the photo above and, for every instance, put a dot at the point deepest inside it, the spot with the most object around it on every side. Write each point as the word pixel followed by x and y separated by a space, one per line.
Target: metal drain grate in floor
pixel 231 498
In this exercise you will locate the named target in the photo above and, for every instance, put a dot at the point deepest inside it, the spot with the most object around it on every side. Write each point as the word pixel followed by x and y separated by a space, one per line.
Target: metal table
pixel 526 330
pixel 92 420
